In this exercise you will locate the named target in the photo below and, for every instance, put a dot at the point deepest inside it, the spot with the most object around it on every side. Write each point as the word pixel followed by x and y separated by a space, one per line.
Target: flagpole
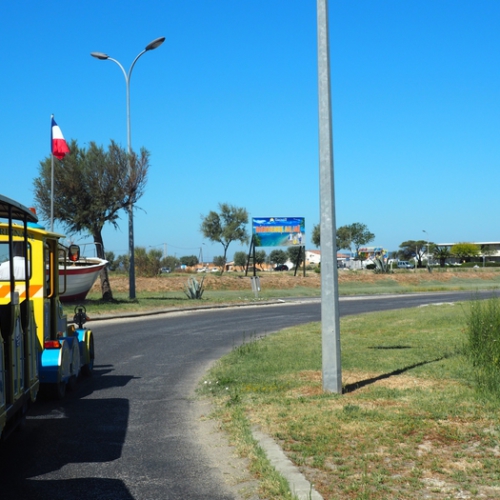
pixel 59 149
pixel 51 184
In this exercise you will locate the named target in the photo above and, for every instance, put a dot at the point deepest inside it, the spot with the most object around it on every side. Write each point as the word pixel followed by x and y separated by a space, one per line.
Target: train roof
pixel 11 208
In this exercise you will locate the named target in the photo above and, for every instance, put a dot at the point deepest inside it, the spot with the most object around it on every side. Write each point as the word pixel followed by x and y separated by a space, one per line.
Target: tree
pixel 122 262
pixel 464 251
pixel 316 236
pixel 441 254
pixel 154 262
pixel 293 255
pixel 358 236
pixel 487 251
pixel 90 188
pixel 148 264
pixel 170 261
pixel 240 260
pixel 226 226
pixel 278 257
pixel 344 237
pixel 413 249
pixel 220 262
pixel 141 261
pixel 189 260
pixel 356 233
pixel 260 258
pixel 112 264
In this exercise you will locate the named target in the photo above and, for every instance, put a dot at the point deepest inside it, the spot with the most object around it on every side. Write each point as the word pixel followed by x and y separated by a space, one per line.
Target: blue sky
pixel 227 107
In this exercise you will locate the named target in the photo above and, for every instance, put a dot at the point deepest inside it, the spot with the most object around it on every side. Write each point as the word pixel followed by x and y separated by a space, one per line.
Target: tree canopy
pixel 316 236
pixel 296 254
pixel 240 260
pixel 91 186
pixel 278 257
pixel 413 249
pixel 225 226
pixel 464 251
pixel 441 253
pixel 260 258
pixel 356 234
pixel 148 263
pixel 170 261
pixel 189 260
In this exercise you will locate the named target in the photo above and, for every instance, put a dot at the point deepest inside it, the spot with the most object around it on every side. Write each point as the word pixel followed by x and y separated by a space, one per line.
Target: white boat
pixel 80 277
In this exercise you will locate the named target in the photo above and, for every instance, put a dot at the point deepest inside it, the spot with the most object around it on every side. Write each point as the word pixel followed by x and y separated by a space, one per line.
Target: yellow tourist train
pixel 38 348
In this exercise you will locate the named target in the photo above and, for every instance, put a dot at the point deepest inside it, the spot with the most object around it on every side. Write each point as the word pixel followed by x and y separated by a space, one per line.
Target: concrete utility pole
pixel 330 325
pixel 428 249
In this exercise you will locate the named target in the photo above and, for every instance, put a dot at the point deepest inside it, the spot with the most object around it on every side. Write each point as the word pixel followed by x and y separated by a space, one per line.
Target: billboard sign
pixel 278 231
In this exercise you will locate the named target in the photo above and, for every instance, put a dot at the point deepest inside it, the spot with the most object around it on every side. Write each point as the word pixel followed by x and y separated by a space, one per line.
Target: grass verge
pixel 410 424
pixel 151 300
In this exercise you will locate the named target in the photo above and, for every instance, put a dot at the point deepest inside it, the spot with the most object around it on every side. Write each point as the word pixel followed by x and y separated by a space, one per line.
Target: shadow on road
pixel 79 429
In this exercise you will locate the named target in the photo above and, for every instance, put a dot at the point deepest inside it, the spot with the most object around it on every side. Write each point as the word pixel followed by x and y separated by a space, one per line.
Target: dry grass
pixel 270 280
pixel 409 425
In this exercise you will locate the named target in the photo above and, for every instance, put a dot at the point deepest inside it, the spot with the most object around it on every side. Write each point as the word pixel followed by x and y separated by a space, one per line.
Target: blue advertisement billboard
pixel 278 231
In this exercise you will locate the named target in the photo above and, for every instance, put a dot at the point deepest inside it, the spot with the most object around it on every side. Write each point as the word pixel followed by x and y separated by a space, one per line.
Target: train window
pixel 19 261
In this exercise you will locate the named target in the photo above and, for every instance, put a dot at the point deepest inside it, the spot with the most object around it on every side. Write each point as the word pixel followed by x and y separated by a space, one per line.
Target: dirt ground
pixel 270 280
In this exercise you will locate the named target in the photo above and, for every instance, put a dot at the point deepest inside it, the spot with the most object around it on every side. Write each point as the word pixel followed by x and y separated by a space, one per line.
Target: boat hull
pixel 80 277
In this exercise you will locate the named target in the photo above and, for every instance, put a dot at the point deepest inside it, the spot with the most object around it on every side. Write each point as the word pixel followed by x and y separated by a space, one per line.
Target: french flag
pixel 59 147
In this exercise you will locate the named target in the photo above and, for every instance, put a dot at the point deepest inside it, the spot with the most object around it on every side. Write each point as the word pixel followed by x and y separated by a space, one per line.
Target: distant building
pixel 313 257
pixel 489 249
pixel 489 246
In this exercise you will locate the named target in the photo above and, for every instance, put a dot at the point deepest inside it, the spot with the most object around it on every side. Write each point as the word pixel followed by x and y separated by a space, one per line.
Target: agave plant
pixel 194 288
pixel 382 267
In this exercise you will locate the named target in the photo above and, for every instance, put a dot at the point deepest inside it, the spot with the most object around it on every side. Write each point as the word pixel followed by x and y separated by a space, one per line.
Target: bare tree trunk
pixel 107 293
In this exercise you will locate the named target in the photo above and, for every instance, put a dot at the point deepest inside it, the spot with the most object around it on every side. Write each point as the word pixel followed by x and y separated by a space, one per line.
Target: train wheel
pixel 89 367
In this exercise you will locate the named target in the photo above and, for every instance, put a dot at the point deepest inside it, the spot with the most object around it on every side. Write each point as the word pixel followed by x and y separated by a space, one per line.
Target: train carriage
pixel 37 346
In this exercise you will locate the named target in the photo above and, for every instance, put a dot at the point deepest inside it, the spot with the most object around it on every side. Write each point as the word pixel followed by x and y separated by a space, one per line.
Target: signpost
pixel 278 231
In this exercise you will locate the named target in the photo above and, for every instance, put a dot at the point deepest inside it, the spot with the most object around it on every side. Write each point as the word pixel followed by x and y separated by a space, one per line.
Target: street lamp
pixel 99 55
pixel 428 247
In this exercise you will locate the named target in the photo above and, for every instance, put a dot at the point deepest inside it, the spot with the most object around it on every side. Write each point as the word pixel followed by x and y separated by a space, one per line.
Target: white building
pixel 491 247
pixel 313 257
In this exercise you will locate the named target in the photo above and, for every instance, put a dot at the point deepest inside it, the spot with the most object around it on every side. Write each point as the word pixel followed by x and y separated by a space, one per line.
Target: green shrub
pixel 381 267
pixel 483 343
pixel 194 288
pixel 480 264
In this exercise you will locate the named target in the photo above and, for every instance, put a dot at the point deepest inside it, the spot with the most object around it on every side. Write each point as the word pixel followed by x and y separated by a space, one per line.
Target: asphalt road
pixel 129 432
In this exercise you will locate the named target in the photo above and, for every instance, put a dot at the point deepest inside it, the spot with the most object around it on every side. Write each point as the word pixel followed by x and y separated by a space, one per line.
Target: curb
pixel 299 485
pixel 156 312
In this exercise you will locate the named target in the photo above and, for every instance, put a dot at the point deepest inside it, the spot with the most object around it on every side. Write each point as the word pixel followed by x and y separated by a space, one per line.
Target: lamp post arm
pixel 134 61
pixel 129 135
pixel 127 85
pixel 121 67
